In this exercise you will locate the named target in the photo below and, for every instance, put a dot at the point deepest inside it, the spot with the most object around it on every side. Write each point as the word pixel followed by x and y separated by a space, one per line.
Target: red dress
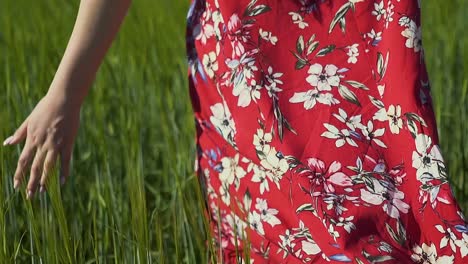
pixel 316 135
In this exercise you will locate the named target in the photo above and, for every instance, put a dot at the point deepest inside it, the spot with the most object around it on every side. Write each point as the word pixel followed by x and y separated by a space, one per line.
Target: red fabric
pixel 316 134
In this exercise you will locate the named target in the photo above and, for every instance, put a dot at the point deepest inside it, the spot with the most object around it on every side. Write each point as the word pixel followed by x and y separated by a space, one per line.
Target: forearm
pixel 96 25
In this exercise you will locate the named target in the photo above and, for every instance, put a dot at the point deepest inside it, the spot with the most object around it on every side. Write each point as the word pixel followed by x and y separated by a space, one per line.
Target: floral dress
pixel 316 136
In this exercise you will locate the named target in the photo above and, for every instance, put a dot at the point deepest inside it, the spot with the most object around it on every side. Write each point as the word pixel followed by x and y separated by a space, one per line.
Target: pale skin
pixel 51 128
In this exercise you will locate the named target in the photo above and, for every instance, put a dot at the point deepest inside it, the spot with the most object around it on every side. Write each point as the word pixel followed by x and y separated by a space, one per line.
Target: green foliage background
pixel 132 196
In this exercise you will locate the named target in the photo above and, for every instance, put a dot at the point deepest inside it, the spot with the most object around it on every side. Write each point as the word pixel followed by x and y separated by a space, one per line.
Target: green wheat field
pixel 132 196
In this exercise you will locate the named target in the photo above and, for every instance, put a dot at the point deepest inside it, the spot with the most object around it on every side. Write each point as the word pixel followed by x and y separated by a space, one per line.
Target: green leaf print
pixel 326 50
pixel 340 14
pixel 382 64
pixel 305 207
pixel 356 84
pixel 258 10
pixel 348 95
pixel 300 44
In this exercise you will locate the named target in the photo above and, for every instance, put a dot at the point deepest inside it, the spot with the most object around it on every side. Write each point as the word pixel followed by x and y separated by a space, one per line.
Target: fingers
pixel 42 165
pixel 49 163
pixel 65 157
pixel 23 162
pixel 36 172
pixel 19 134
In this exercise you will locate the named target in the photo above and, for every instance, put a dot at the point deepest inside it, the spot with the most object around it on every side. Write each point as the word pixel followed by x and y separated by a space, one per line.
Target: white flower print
pixel 389 14
pixel 311 97
pixel 248 65
pixel 204 30
pixel 352 122
pixel 426 254
pixel 209 187
pixel 287 242
pixel 310 247
pixel 275 163
pixel 394 118
pixel 267 214
pixel 331 230
pixel 268 36
pixel 220 238
pixel 335 202
pixel 301 229
pixel 323 79
pixel 379 10
pixel 342 136
pixel 426 162
pixel 431 192
pixel 462 243
pixel 252 66
pixel 223 121
pixel 413 35
pixel 261 177
pixel 272 89
pixel 449 237
pixel 381 89
pixel 246 93
pixel 210 64
pixel 404 21
pixel 218 20
pixel 353 53
pixel 231 172
pixel 261 139
pixel 256 223
pixel 255 90
pixel 299 20
pixel 381 115
pixel 347 223
pixel 241 77
pixel 236 227
pixel 225 195
pixel 273 81
pixel 391 198
pixel 375 37
pixel 369 133
pixel 273 77
pixel 328 99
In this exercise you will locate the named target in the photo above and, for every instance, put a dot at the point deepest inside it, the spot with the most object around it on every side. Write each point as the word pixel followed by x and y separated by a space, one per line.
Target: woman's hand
pixel 51 128
pixel 50 132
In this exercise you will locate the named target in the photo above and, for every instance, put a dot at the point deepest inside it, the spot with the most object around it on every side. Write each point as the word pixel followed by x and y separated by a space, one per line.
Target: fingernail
pixel 15 184
pixel 29 194
pixel 41 189
pixel 7 141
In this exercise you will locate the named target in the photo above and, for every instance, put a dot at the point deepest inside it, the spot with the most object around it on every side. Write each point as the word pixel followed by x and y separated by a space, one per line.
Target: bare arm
pixel 51 128
pixel 96 26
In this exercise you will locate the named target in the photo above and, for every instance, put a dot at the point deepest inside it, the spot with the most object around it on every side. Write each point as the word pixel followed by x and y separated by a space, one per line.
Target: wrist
pixel 71 93
pixel 72 81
